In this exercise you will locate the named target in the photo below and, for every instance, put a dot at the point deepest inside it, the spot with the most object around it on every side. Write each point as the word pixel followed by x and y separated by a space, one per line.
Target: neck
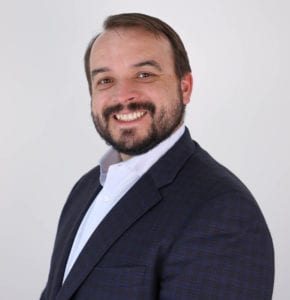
pixel 124 156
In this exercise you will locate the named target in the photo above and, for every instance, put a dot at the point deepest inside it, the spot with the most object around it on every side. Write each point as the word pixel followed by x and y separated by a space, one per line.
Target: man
pixel 159 218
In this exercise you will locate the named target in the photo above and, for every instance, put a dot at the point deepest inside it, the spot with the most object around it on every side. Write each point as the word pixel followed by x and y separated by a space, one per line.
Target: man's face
pixel 137 100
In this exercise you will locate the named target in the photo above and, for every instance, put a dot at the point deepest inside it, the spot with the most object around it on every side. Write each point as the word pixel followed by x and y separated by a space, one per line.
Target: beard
pixel 163 124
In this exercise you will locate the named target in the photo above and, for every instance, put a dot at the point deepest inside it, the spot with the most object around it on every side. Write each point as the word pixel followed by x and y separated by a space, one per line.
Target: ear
pixel 186 87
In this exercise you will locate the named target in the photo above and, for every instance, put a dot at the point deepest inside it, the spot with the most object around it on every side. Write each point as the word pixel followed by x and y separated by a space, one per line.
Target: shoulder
pixel 209 190
pixel 211 175
pixel 83 189
pixel 89 179
pixel 204 177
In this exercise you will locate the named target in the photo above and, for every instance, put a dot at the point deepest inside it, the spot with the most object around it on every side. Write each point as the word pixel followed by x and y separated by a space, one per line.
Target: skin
pixel 135 66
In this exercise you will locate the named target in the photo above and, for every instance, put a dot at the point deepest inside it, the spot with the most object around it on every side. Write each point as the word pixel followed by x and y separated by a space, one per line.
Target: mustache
pixel 131 107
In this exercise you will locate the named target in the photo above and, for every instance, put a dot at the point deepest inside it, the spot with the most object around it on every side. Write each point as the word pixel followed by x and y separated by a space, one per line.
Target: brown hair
pixel 152 24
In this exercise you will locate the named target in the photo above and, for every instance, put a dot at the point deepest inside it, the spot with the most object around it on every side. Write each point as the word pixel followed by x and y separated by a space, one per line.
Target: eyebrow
pixel 99 70
pixel 152 63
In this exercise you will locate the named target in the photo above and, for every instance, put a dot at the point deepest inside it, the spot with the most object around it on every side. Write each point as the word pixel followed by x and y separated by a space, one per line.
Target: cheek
pixel 94 108
pixel 96 105
pixel 165 98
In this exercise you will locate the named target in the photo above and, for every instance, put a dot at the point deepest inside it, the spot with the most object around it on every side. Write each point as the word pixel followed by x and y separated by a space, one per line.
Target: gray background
pixel 239 52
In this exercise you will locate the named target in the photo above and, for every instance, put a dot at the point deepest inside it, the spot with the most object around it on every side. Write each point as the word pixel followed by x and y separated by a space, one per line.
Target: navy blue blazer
pixel 188 229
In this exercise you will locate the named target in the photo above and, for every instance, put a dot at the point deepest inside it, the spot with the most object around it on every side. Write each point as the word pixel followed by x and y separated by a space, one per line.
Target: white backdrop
pixel 239 52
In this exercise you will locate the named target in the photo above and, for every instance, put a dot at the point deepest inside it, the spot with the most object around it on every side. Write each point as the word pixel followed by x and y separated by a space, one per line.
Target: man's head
pixel 139 79
pixel 151 24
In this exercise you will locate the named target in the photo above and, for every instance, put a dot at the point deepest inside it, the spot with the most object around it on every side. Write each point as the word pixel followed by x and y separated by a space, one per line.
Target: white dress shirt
pixel 116 177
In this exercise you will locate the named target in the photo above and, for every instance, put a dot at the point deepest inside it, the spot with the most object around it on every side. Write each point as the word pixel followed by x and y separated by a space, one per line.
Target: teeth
pixel 129 117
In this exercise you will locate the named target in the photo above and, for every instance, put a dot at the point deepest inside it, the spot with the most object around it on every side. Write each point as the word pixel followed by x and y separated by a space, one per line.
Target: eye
pixel 144 75
pixel 104 81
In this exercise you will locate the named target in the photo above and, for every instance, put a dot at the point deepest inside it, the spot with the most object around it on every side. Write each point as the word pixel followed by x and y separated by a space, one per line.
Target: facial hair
pixel 163 124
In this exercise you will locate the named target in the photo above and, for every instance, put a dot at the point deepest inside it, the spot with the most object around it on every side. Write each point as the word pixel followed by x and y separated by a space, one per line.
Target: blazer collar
pixel 143 196
pixel 165 170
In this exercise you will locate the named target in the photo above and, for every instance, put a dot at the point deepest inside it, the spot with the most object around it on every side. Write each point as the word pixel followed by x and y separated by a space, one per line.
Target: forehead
pixel 126 43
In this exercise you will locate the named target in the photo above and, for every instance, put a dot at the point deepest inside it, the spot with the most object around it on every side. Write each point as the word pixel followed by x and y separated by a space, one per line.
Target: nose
pixel 125 91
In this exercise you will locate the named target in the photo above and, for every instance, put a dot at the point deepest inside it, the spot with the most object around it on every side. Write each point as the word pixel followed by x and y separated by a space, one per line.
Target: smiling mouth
pixel 129 117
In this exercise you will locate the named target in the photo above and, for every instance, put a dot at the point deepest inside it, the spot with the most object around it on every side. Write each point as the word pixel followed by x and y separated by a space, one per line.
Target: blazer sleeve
pixel 224 251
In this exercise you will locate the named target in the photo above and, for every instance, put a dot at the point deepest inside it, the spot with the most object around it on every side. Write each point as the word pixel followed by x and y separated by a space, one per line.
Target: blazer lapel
pixel 66 236
pixel 131 207
pixel 138 200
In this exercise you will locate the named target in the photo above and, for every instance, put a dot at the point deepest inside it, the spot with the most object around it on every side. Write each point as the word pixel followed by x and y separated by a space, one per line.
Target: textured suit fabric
pixel 188 229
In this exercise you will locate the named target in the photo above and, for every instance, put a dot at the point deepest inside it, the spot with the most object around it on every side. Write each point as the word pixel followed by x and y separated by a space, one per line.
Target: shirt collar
pixel 139 163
